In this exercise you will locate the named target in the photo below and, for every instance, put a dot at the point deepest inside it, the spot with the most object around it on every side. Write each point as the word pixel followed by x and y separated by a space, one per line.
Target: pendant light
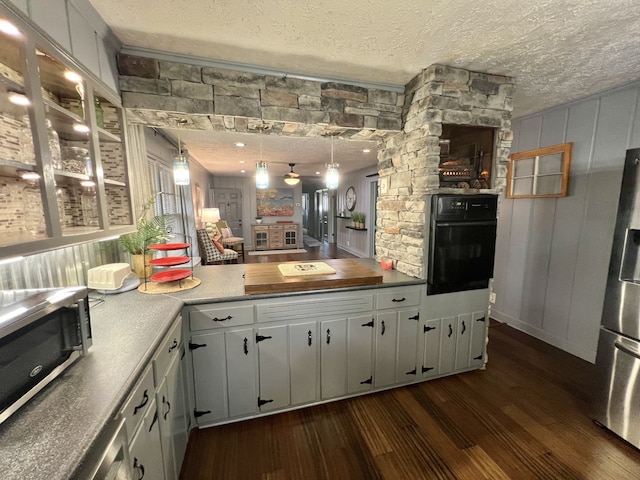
pixel 262 172
pixel 332 177
pixel 180 162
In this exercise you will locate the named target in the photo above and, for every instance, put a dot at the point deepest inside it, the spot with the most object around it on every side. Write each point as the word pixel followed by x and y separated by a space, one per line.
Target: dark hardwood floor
pixel 525 417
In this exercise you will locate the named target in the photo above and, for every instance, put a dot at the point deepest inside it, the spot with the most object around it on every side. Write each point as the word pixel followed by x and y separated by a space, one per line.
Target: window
pixel 543 172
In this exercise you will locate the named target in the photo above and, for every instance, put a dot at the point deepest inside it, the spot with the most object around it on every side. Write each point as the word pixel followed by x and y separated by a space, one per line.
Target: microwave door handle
pixel 627 350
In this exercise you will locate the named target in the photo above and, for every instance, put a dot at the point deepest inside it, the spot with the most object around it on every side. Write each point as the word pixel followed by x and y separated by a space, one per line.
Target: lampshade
pixel 210 215
pixel 262 175
pixel 332 178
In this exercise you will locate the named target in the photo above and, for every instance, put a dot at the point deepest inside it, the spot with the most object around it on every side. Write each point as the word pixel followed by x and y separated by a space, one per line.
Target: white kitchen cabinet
pixel 145 450
pixel 447 357
pixel 386 331
pixel 303 362
pixel 333 358
pixel 208 356
pixel 463 340
pixel 471 336
pixel 479 327
pixel 241 371
pixel 273 361
pixel 359 353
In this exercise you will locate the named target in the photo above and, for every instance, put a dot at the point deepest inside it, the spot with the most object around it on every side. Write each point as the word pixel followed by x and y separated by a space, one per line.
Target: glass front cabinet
pixel 63 169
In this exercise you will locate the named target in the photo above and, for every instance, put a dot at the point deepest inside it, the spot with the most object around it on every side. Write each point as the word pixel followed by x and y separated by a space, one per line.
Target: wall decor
pixel 275 202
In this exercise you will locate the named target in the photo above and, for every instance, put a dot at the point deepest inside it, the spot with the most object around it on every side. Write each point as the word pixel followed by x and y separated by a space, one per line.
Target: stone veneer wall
pixel 408 162
pixel 220 99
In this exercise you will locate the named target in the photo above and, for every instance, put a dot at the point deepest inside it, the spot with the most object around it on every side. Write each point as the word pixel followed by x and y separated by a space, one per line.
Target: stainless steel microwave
pixel 42 333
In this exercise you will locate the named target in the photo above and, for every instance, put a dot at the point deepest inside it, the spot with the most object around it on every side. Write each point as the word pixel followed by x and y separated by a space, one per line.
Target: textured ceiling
pixel 558 50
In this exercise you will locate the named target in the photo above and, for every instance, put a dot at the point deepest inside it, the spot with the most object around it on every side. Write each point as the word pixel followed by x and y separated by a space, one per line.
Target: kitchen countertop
pixel 48 437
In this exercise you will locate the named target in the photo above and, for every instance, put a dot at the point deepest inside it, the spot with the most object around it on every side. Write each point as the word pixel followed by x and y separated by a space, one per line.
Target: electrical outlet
pixel 492 297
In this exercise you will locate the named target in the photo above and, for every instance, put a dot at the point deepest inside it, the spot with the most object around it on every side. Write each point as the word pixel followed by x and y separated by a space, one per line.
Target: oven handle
pixel 464 223
pixel 627 350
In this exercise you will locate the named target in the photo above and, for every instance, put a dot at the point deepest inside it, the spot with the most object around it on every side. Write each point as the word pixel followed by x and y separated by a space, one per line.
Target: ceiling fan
pixel 291 178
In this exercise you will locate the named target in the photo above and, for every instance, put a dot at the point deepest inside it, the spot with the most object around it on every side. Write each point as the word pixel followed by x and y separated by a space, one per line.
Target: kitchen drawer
pixel 314 308
pixel 167 351
pixel 139 401
pixel 273 244
pixel 217 316
pixel 275 228
pixel 260 228
pixel 398 298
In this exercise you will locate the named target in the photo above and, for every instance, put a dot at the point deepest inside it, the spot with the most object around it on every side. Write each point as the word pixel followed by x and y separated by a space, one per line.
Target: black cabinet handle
pixel 481 319
pixel 398 299
pixel 216 319
pixel 174 345
pixel 139 467
pixel 309 338
pixel 479 357
pixel 328 336
pixel 165 401
pixel 368 381
pixel 145 400
pixel 155 418
pixel 450 331
pixel 415 317
pixel 464 328
pixel 411 372
pixel 263 402
pixel 245 346
pixel 426 329
pixel 199 413
pixel 426 369
pixel 383 328
pixel 260 338
pixel 193 346
pixel 368 324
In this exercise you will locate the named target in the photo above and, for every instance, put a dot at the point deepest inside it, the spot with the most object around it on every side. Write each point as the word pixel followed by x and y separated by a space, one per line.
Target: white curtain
pixel 142 188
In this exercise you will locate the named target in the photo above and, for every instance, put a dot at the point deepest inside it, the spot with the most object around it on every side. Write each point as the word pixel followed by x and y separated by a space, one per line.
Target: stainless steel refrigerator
pixel 617 391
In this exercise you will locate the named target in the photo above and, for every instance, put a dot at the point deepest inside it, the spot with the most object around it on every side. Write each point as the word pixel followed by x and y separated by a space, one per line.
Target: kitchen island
pixel 51 436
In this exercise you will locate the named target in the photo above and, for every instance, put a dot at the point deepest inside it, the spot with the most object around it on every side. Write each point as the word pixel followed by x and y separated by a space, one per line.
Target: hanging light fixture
pixel 332 177
pixel 262 172
pixel 180 162
pixel 292 178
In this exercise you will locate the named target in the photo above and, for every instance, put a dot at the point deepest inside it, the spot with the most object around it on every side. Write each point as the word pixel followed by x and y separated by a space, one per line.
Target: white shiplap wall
pixel 552 255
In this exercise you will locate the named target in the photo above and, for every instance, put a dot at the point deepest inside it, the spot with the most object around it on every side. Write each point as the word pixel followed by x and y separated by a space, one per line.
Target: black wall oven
pixel 42 332
pixel 462 242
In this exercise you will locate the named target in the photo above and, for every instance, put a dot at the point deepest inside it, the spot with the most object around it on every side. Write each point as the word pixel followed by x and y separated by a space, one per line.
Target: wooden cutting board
pixel 266 277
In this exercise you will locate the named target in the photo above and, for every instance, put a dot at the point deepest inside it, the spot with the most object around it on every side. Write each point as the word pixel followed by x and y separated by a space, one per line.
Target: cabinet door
pixel 385 357
pixel 291 236
pixel 431 354
pixel 303 362
pixel 360 353
pixel 463 340
pixel 408 336
pixel 209 377
pixel 241 371
pixel 478 338
pixel 145 450
pixel 164 414
pixel 333 358
pixel 273 363
pixel 447 345
pixel 178 414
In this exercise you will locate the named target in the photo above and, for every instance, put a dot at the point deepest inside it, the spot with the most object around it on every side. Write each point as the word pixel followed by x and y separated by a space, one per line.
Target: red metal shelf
pixel 168 246
pixel 171 275
pixel 169 261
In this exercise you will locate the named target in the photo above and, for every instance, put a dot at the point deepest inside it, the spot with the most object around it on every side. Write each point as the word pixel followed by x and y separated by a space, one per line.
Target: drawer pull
pixel 450 331
pixel 138 467
pixel 145 400
pixel 328 336
pixel 383 328
pixel 174 345
pixel 398 299
pixel 245 346
pixel 309 338
pixel 464 328
pixel 216 319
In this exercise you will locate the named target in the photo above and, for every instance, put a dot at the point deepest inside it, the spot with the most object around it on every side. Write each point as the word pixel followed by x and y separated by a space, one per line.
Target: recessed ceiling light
pixel 239 144
pixel 241 161
pixel 317 173
pixel 9 28
pixel 366 150
pixel 243 171
pixel 28 175
pixel 80 127
pixel 19 99
pixel 72 76
pixel 88 183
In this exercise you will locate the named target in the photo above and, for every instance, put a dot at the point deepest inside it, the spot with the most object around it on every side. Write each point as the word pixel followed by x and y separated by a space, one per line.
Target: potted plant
pixel 363 219
pixel 258 219
pixel 151 230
